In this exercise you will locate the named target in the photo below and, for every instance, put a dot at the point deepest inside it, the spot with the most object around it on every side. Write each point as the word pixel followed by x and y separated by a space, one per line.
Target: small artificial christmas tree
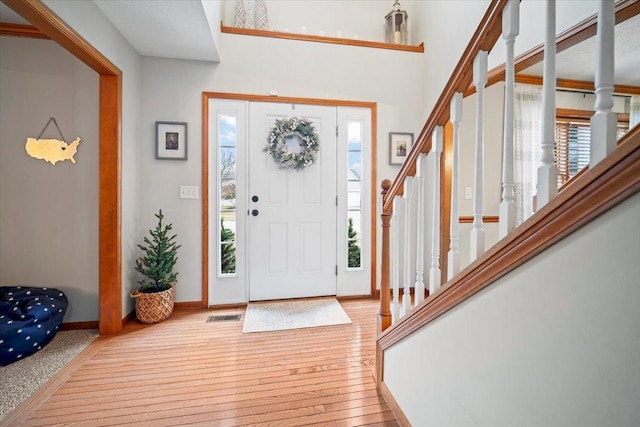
pixel 227 250
pixel 159 259
pixel 354 249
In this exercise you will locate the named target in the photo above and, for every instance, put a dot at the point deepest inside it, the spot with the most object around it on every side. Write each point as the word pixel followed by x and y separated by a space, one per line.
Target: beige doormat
pixel 293 314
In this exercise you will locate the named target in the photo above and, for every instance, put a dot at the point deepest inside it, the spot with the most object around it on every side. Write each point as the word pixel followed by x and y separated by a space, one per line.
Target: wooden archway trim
pixel 289 100
pixel 110 268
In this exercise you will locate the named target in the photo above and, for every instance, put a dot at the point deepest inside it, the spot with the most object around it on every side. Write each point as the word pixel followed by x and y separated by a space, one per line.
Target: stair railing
pixel 501 19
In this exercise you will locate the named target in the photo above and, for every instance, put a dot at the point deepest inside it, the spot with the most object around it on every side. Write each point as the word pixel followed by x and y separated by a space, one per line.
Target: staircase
pixel 540 328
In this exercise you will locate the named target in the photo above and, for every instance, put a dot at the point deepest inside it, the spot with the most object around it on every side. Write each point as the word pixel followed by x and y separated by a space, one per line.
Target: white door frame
pixel 218 290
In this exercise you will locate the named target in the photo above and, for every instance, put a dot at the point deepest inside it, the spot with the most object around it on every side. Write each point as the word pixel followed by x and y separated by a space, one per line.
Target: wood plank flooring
pixel 185 371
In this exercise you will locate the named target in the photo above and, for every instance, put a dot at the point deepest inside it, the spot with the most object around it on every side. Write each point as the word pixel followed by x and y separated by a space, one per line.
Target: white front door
pixel 292 213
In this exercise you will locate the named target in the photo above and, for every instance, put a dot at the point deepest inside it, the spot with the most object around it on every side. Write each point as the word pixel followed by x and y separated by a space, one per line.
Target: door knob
pixel 255 212
pixel 254 198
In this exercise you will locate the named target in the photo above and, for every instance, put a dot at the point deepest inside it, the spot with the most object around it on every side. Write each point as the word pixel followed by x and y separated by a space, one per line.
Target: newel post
pixel 384 316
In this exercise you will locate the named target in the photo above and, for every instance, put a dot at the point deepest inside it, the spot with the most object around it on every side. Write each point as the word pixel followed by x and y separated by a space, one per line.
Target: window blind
pixel 573 147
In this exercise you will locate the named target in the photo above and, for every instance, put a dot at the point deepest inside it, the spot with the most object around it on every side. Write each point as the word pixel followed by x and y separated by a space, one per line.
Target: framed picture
pixel 399 145
pixel 171 140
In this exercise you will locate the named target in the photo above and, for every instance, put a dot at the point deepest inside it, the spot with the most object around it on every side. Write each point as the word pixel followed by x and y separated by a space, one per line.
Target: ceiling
pixel 578 62
pixel 178 29
pixel 182 29
pixel 170 28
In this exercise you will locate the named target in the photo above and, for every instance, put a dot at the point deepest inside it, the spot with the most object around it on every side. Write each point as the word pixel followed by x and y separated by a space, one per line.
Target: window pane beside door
pixel 227 194
pixel 354 193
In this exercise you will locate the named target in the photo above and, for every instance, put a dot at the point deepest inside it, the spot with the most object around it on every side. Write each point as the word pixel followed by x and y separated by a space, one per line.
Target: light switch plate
pixel 189 191
pixel 467 193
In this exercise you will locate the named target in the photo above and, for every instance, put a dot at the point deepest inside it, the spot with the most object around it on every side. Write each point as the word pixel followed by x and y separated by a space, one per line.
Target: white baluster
pixel 453 263
pixel 418 287
pixel 434 272
pixel 395 268
pixel 479 80
pixel 604 121
pixel 508 209
pixel 548 172
pixel 406 295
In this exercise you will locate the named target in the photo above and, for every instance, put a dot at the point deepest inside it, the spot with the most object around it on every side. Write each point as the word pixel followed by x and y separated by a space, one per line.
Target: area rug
pixel 293 314
pixel 20 379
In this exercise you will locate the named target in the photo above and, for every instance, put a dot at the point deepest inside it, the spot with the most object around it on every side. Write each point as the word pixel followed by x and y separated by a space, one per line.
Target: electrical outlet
pixel 188 191
pixel 467 193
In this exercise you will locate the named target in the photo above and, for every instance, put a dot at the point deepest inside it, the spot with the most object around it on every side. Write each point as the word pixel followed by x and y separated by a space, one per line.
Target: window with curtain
pixel 527 137
pixel 573 142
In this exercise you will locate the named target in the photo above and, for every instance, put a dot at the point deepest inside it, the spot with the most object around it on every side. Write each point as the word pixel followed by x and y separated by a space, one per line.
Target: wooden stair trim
pixel 401 418
pixel 580 85
pixel 485 219
pixel 599 189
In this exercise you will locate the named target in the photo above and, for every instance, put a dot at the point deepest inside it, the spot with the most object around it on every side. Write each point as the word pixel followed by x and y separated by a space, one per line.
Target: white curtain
pixel 252 14
pixel 634 111
pixel 527 141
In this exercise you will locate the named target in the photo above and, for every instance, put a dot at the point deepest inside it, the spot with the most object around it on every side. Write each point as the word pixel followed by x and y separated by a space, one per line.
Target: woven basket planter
pixel 154 307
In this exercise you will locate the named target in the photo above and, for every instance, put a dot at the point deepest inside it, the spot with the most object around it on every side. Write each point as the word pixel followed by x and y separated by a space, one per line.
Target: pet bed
pixel 29 319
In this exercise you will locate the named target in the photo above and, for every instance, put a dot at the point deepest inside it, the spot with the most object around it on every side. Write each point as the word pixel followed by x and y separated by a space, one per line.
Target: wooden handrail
pixel 484 38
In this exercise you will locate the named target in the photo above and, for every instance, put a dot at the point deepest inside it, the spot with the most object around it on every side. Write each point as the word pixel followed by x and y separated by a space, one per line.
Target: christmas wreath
pixel 303 131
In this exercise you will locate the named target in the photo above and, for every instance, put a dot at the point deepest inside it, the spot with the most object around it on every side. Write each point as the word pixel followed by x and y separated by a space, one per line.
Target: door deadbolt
pixel 254 199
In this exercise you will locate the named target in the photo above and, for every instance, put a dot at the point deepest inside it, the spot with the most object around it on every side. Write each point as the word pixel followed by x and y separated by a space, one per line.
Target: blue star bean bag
pixel 29 319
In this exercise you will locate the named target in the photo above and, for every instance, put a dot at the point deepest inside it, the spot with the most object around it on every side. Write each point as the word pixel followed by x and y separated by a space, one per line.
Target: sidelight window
pixel 354 194
pixel 227 143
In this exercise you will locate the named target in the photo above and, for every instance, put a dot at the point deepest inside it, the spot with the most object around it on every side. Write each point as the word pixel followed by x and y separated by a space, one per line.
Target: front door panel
pixel 292 236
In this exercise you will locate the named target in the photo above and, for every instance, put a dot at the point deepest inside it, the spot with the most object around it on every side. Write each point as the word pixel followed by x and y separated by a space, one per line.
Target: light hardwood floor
pixel 185 371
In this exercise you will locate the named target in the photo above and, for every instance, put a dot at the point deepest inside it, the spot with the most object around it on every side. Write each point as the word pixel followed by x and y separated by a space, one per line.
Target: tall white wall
pixel 348 18
pixel 552 343
pixel 172 91
pixel 85 18
pixel 49 213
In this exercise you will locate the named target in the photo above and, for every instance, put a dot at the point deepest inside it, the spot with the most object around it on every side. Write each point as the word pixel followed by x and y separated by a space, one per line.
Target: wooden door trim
pixel 110 118
pixel 206 96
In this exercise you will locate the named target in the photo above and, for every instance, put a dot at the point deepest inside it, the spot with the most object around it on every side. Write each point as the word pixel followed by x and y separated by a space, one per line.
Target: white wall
pixel 85 18
pixel 49 213
pixel 347 19
pixel 551 343
pixel 172 91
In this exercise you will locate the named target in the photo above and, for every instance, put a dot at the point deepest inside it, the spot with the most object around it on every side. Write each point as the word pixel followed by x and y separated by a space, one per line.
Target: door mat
pixel 293 314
